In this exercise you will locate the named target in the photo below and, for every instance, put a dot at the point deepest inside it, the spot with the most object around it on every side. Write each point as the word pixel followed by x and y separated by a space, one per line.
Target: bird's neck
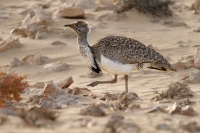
pixel 82 40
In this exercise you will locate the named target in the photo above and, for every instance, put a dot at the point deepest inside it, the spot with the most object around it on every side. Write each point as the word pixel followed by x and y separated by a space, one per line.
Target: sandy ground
pixel 174 43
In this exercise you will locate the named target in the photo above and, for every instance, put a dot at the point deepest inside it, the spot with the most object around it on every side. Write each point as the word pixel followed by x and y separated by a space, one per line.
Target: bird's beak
pixel 73 26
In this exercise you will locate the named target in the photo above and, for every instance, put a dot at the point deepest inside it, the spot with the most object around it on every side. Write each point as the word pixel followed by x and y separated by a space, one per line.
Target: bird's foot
pixel 95 83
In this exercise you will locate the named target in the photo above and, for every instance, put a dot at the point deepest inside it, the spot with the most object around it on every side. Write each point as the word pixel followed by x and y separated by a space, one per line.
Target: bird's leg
pixel 114 80
pixel 126 83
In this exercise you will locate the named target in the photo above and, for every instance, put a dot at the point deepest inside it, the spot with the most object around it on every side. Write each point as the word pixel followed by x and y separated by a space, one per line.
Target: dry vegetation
pixel 176 90
pixel 11 85
pixel 154 7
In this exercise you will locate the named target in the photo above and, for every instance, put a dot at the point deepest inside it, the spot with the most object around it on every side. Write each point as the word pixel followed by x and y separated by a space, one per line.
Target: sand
pixel 174 43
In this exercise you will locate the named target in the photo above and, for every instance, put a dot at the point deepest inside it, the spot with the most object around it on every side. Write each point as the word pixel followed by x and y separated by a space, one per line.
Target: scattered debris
pixel 56 66
pixel 38 117
pixel 9 43
pixel 175 109
pixel 93 110
pixel 176 90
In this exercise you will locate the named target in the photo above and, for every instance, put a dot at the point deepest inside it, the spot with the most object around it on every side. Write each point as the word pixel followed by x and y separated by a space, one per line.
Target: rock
pixel 189 111
pixel 92 110
pixel 118 124
pixel 184 65
pixel 71 12
pixel 22 32
pixel 66 82
pixel 197 58
pixel 41 34
pixel 197 30
pixel 15 63
pixel 56 66
pixel 163 126
pixel 194 77
pixel 157 109
pixel 86 4
pixel 196 7
pixel 175 24
pixel 58 43
pixel 191 127
pixel 82 91
pixel 34 59
pixel 9 43
pixel 37 117
pixel 38 85
pixel 52 89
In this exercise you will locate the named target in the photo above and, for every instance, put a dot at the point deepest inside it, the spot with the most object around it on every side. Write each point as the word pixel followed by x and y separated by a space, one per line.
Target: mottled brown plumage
pixel 117 55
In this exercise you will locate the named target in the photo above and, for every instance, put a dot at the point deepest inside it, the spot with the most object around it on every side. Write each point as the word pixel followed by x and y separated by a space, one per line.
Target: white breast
pixel 114 67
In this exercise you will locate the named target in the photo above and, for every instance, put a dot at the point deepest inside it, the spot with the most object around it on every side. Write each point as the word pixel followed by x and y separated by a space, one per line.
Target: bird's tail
pixel 165 66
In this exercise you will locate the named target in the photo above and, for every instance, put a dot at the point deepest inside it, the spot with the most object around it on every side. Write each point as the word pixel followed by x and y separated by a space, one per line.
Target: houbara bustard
pixel 116 55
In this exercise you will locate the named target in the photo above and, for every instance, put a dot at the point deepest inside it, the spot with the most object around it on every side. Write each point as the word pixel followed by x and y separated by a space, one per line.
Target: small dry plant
pixel 176 90
pixel 154 7
pixel 11 85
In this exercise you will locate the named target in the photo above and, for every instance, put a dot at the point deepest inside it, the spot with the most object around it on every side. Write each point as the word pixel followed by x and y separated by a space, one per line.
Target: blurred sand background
pixel 176 38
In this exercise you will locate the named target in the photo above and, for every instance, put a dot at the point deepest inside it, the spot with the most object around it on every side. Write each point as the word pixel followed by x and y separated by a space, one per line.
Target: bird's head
pixel 80 27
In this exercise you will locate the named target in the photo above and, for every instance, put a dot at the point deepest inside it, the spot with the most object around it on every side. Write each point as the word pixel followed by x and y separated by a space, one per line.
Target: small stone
pixel 34 59
pixel 71 12
pixel 15 63
pixel 66 82
pixel 92 110
pixel 196 7
pixel 9 43
pixel 184 65
pixel 197 58
pixel 52 89
pixel 58 43
pixel 175 24
pixel 194 77
pixel 189 111
pixel 163 127
pixel 82 91
pixel 56 66
pixel 38 85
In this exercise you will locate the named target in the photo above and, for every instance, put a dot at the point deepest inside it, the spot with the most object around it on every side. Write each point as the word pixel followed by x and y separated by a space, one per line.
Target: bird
pixel 116 55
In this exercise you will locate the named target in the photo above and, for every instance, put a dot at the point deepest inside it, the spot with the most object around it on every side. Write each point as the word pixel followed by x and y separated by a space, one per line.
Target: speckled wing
pixel 89 59
pixel 128 51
